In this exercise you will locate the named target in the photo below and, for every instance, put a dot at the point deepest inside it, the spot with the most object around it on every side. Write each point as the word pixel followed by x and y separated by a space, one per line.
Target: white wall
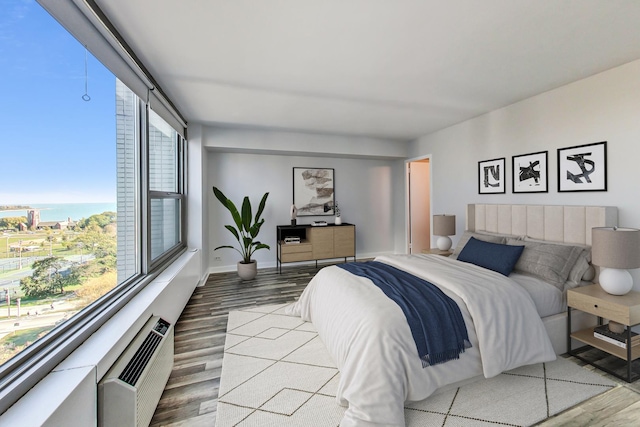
pixel 369 185
pixel 604 107
pixel 364 190
pixel 197 218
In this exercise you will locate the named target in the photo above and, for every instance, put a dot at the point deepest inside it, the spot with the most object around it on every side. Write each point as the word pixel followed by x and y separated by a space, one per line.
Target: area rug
pixel 277 372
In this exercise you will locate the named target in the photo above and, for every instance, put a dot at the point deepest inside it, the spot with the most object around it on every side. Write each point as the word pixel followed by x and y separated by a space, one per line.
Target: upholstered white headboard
pixel 569 224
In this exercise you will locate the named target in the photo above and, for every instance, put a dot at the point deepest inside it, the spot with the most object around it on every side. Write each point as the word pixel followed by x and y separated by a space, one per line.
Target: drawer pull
pixel 595 305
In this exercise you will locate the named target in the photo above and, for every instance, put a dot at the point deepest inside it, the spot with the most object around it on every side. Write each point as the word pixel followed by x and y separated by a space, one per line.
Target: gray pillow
pixel 582 269
pixel 550 262
pixel 493 238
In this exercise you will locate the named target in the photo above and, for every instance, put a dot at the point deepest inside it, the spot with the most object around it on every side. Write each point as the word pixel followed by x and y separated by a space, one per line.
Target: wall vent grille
pixel 136 365
pixel 129 393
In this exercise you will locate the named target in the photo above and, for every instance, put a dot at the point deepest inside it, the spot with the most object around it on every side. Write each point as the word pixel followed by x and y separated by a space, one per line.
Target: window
pixel 128 176
pixel 165 186
pixel 92 201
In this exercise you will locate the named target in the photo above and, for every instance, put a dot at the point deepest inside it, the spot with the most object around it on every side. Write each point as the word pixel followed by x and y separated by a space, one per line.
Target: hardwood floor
pixel 619 406
pixel 190 396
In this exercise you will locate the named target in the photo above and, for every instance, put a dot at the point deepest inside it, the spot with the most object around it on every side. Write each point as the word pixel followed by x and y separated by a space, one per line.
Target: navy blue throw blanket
pixel 435 320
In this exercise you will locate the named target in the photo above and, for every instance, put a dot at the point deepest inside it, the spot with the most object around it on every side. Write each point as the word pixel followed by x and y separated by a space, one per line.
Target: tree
pixel 50 275
pixel 98 220
pixel 102 245
pixel 12 222
pixel 33 288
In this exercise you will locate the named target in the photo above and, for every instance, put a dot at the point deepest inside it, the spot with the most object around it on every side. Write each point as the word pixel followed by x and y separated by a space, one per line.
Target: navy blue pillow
pixel 493 256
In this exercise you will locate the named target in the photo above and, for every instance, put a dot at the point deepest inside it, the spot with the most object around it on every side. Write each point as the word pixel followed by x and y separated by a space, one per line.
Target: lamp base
pixel 615 281
pixel 444 243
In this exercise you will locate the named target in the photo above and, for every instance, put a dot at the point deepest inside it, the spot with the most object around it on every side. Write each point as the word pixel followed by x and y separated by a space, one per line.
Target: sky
pixel 54 146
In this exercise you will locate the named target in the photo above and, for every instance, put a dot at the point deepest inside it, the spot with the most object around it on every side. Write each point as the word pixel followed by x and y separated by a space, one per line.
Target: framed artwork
pixel 314 191
pixel 491 176
pixel 583 167
pixel 530 173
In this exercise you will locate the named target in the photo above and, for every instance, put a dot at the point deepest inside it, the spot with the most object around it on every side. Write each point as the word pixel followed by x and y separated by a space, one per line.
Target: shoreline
pixel 61 211
pixel 15 210
pixel 52 206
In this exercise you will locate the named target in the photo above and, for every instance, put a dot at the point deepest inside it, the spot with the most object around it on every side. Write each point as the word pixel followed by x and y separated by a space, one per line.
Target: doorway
pixel 419 201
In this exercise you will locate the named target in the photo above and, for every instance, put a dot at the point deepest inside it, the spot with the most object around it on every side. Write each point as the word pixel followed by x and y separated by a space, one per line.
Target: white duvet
pixel 369 338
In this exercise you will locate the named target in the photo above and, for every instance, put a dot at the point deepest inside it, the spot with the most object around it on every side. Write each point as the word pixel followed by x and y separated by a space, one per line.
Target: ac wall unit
pixel 129 393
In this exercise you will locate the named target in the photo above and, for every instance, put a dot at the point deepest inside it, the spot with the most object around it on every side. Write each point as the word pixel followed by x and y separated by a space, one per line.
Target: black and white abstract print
pixel 530 173
pixel 583 167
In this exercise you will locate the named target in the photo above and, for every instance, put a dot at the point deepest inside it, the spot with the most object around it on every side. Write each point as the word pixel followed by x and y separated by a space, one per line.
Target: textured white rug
pixel 277 372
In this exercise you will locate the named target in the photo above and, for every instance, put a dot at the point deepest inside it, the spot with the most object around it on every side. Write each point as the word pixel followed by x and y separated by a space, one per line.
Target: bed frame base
pixel 556 327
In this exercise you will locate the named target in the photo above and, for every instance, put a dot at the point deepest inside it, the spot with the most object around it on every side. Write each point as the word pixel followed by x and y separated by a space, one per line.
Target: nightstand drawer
pixel 592 299
pixel 599 307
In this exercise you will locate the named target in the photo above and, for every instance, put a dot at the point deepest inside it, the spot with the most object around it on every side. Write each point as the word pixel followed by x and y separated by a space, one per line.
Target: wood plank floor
pixel 190 396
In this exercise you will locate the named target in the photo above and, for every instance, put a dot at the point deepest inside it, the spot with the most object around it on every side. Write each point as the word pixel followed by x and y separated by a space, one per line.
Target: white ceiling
pixel 393 69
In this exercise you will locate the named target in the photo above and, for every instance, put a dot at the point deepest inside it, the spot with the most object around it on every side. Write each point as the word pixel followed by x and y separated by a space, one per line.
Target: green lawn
pixel 22 337
pixel 38 238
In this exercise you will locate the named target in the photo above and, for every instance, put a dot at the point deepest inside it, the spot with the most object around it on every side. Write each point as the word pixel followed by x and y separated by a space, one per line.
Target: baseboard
pixel 273 264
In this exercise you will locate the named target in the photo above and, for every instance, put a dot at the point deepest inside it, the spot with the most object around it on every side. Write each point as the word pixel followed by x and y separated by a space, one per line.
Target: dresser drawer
pixel 299 256
pixel 293 248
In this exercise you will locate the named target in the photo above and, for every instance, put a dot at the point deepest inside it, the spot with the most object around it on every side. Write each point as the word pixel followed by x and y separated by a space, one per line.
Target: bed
pixel 510 322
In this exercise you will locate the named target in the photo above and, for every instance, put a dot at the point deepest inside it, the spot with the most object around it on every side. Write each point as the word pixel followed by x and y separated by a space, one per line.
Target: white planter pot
pixel 248 271
pixel 338 220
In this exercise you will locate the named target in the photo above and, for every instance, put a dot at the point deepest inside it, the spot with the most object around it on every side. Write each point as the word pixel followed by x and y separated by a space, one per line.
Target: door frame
pixel 407 198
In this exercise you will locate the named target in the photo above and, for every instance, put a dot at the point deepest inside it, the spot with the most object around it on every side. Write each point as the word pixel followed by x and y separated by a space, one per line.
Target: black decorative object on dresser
pixel 306 242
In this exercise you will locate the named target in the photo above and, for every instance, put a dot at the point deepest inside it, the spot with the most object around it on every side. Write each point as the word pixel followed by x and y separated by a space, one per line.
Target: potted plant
pixel 336 209
pixel 245 231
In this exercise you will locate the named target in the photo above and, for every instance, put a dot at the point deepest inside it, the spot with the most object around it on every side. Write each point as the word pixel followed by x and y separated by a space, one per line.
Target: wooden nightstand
pixel 436 251
pixel 623 309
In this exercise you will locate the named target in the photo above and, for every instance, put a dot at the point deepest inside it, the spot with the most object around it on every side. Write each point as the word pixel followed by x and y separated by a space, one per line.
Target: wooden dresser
pixel 316 243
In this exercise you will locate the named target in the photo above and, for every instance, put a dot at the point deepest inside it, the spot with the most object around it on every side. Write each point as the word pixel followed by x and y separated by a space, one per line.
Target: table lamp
pixel 444 226
pixel 615 249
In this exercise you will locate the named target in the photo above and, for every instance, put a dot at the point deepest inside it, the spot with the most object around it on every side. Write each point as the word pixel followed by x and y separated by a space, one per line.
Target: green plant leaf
pixel 255 229
pixel 261 206
pixel 231 207
pixel 224 247
pixel 233 231
pixel 246 214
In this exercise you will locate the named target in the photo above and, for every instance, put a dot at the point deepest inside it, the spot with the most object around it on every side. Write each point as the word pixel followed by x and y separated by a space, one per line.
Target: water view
pixel 62 211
